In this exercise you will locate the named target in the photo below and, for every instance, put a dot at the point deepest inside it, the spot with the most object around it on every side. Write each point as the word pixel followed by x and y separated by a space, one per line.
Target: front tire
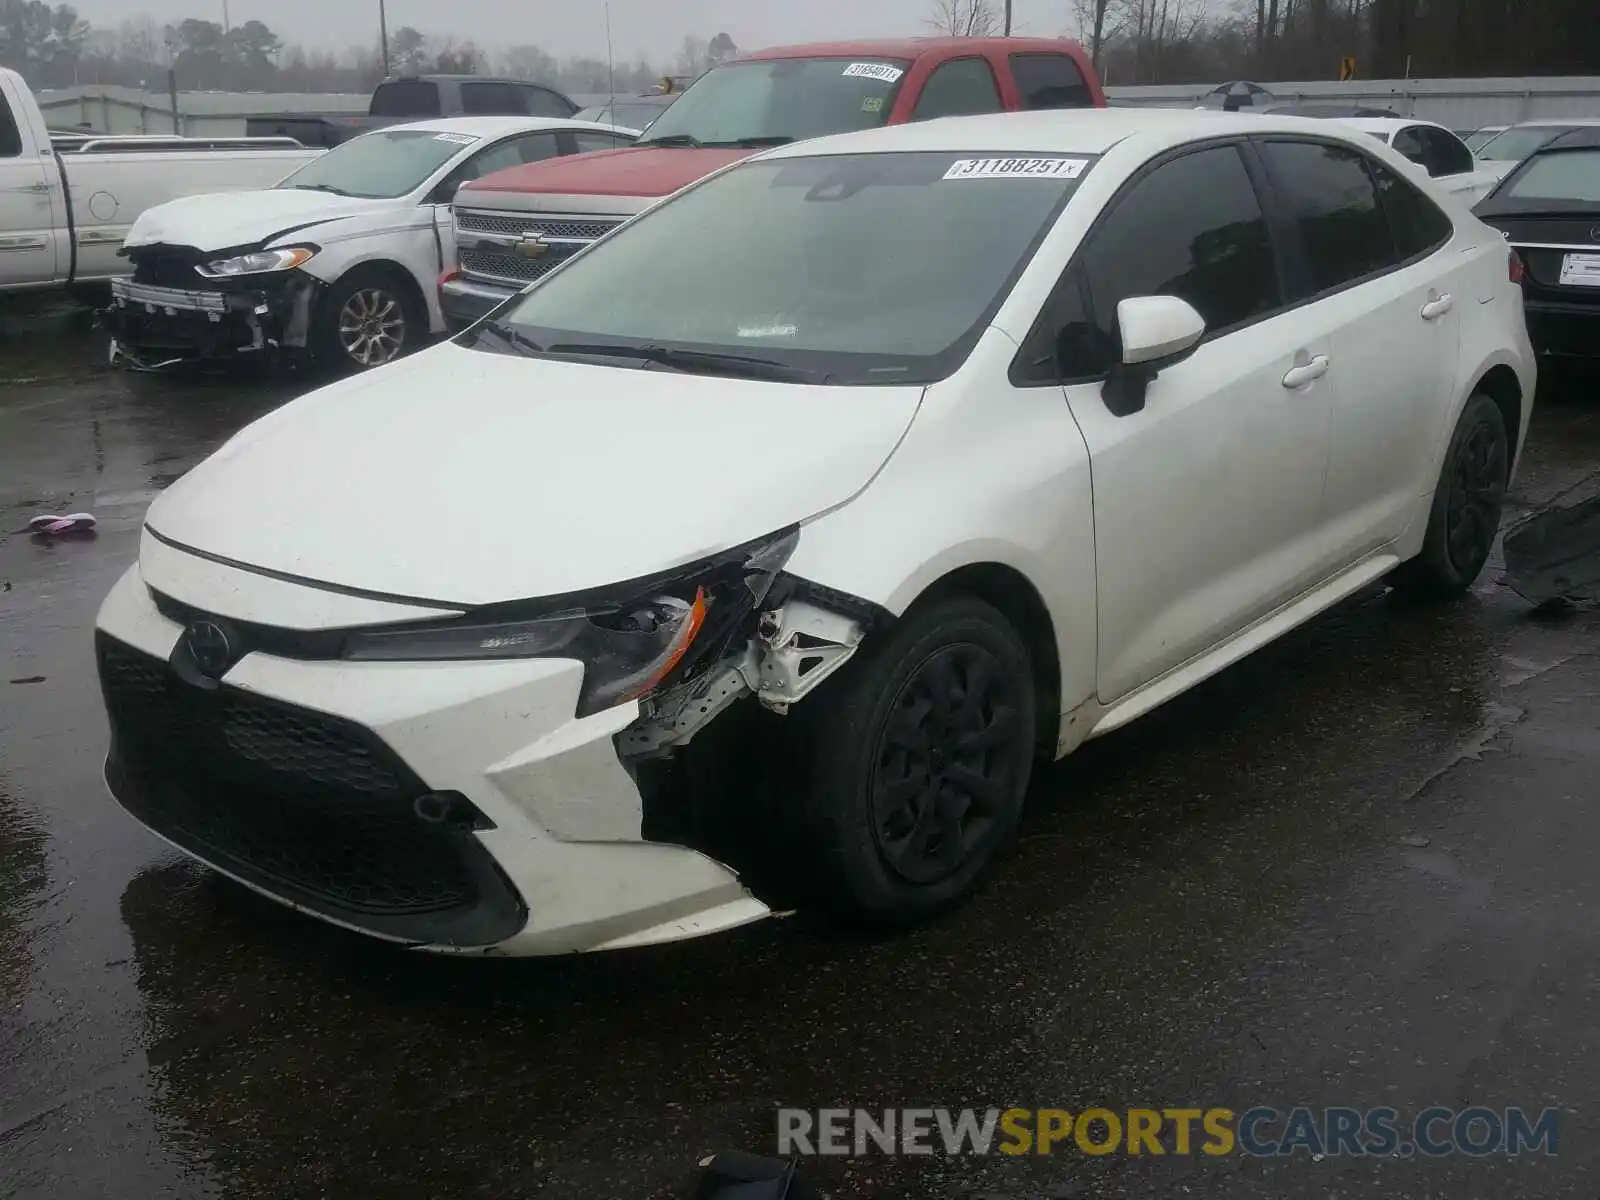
pixel 918 761
pixel 1467 502
pixel 368 318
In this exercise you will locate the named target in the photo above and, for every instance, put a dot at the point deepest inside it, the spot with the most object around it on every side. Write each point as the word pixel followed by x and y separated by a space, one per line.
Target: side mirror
pixel 1157 332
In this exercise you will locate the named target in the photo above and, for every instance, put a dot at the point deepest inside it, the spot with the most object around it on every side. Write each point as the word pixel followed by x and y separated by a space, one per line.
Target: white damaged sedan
pixel 811 508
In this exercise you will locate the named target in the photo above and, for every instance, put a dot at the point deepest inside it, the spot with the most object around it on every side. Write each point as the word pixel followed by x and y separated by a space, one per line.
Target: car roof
pixel 1060 131
pixel 910 47
pixel 490 127
pixel 1390 124
pixel 1556 123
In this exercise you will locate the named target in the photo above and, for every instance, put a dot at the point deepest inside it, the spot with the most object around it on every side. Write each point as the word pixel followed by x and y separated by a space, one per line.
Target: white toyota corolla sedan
pixel 810 510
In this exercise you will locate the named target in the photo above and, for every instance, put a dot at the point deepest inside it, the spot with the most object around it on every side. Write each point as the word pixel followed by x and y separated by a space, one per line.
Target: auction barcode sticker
pixel 1016 168
pixel 881 71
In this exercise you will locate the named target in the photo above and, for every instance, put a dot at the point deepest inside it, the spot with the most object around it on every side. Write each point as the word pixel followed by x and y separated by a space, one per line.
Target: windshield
pixel 1570 175
pixel 1514 145
pixel 778 100
pixel 1477 141
pixel 382 165
pixel 860 268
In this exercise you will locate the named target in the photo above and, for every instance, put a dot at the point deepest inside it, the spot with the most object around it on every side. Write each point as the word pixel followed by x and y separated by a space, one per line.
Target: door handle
pixel 40 187
pixel 1437 305
pixel 1307 371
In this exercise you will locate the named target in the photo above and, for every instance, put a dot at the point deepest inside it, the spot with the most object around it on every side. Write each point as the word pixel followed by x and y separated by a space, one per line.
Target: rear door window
pixel 1333 206
pixel 406 98
pixel 491 100
pixel 1050 81
pixel 961 87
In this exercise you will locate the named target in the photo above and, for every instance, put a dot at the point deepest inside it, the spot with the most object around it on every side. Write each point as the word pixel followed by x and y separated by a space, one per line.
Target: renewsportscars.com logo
pixel 1260 1132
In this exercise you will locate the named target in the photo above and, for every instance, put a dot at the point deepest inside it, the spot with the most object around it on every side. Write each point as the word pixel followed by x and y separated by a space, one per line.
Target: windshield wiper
pixel 319 187
pixel 751 143
pixel 513 338
pixel 707 362
pixel 671 139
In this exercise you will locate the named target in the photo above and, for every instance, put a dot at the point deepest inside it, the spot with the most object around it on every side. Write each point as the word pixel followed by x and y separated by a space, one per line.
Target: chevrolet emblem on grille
pixel 532 244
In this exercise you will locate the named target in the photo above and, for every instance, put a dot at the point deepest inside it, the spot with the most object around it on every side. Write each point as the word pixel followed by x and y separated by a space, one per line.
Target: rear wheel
pixel 918 761
pixel 1467 502
pixel 368 318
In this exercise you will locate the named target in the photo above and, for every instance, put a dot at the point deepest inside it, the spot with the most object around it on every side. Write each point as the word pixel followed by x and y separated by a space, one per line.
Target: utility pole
pixel 227 25
pixel 1008 18
pixel 383 35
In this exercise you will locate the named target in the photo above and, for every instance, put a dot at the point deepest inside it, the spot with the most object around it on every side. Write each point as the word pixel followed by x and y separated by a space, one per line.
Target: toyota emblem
pixel 209 646
pixel 1594 234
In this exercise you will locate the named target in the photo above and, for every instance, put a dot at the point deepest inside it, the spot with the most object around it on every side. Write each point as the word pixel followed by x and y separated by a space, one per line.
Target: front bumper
pixel 300 779
pixel 153 324
pixel 465 302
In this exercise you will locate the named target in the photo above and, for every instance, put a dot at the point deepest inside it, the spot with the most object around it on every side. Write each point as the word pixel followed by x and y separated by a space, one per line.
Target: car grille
pixel 495 265
pixel 165 266
pixel 309 807
pixel 471 221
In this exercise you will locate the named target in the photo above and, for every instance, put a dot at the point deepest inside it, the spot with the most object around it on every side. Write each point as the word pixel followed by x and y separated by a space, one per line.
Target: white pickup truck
pixel 65 209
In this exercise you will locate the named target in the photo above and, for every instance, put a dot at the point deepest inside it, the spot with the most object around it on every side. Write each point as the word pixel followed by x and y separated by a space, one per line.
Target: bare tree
pixel 1098 22
pixel 965 18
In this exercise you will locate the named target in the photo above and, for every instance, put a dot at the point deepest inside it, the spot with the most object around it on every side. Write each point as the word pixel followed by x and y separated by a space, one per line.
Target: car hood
pixel 1498 167
pixel 223 221
pixel 632 171
pixel 466 477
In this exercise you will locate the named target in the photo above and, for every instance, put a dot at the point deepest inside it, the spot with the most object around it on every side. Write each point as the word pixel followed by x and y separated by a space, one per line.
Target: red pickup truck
pixel 515 226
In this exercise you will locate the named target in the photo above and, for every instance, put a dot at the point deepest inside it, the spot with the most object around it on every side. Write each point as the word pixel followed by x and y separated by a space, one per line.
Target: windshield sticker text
pixel 1014 168
pixel 881 71
pixel 768 331
pixel 460 139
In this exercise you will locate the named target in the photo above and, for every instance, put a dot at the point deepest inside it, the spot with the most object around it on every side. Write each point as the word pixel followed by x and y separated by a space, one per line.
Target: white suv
pixel 820 501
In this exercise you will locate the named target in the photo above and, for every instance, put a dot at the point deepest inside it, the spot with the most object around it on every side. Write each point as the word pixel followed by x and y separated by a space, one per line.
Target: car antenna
pixel 611 67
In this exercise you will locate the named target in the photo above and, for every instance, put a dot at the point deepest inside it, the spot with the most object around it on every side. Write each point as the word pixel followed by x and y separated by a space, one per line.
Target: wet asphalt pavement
pixel 1358 869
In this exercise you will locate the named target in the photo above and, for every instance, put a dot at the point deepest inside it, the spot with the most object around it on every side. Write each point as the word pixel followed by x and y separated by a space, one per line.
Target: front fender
pixel 987 473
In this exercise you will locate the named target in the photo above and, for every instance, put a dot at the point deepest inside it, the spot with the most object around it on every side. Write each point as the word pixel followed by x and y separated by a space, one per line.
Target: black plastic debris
pixel 739 1176
pixel 1556 554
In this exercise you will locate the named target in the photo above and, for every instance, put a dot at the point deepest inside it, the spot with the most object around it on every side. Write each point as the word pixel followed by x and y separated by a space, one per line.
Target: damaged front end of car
pixel 185 305
pixel 710 748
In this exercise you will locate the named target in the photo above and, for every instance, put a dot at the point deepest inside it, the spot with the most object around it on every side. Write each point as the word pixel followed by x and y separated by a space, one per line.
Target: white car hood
pixel 467 477
pixel 222 221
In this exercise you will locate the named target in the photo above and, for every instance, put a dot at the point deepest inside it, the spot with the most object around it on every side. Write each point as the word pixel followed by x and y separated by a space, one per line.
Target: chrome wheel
pixel 372 327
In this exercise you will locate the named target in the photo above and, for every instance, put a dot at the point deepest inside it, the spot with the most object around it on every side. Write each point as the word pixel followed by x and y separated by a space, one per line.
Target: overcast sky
pixel 570 27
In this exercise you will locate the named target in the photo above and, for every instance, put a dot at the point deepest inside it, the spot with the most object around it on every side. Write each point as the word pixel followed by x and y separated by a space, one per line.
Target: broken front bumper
pixel 451 806
pixel 153 325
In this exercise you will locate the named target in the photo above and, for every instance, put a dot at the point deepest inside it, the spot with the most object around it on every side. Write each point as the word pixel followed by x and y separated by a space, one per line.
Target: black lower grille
pixel 307 806
pixel 510 265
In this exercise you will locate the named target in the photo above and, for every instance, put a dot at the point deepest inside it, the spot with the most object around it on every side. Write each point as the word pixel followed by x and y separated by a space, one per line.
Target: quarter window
pixel 1420 226
pixel 1050 81
pixel 542 102
pixel 1409 142
pixel 1446 154
pixel 10 136
pixel 1333 205
pixel 961 87
pixel 1192 228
